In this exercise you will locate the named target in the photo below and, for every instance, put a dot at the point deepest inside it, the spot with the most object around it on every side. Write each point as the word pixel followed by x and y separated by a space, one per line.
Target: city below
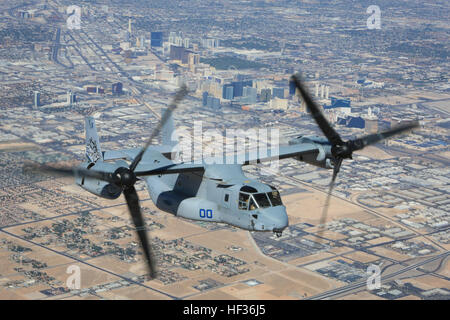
pixel 123 61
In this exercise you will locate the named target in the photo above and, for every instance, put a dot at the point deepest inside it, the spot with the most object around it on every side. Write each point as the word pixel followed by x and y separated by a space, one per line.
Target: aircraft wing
pixel 265 155
pixel 251 157
pixel 283 152
pixel 130 154
pixel 169 169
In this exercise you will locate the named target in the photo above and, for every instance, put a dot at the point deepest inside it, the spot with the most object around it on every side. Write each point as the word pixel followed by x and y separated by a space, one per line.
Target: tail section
pixel 93 150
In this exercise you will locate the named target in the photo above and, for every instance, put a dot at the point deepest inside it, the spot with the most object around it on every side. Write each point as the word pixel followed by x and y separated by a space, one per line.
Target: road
pixel 88 264
pixel 369 210
pixel 362 284
pixel 3 230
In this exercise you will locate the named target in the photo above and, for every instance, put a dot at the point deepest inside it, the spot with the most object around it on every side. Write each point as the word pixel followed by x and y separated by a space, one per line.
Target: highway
pixel 384 277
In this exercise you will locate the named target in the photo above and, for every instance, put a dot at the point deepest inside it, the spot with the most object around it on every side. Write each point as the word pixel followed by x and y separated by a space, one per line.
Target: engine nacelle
pixel 324 158
pixel 98 187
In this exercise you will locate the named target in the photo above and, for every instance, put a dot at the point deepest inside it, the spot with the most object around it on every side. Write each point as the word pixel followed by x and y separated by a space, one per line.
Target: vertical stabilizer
pixel 167 131
pixel 93 150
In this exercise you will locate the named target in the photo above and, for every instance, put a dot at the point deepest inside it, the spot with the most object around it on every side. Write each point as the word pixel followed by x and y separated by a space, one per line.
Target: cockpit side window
pixel 243 201
pixel 275 198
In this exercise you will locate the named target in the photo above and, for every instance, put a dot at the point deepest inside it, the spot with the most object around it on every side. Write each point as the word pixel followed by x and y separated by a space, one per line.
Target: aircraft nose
pixel 281 220
pixel 275 219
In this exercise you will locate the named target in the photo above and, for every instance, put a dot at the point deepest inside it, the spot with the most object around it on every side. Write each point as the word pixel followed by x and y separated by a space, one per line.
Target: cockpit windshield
pixel 262 200
pixel 259 200
pixel 252 205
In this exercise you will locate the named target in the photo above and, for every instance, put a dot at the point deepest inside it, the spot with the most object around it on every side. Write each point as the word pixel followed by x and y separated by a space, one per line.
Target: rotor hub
pixel 341 151
pixel 346 149
pixel 126 178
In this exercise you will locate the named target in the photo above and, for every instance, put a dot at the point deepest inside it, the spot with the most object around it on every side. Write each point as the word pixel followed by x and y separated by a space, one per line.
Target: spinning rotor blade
pixel 125 178
pixel 321 121
pixel 362 142
pixel 339 149
pixel 77 172
pixel 352 145
pixel 136 214
pixel 181 93
pixel 323 219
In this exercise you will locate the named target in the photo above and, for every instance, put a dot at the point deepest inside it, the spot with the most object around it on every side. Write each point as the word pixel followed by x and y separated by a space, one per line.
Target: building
pixel 247 83
pixel 216 104
pixel 96 89
pixel 228 92
pixel 213 103
pixel 186 42
pixel 371 124
pixel 71 98
pixel 164 75
pixel 179 53
pixel 303 107
pixel 37 99
pixel 355 122
pixel 265 95
pixel 292 88
pixel 249 95
pixel 205 98
pixel 129 33
pixel 140 42
pixel 179 41
pixel 278 93
pixel 176 52
pixel 277 103
pixel 338 103
pixel 156 39
pixel 172 38
pixel 29 14
pixel 193 60
pixel 369 84
pixel 210 43
pixel 238 87
pixel 117 88
pixel 91 89
pixel 213 88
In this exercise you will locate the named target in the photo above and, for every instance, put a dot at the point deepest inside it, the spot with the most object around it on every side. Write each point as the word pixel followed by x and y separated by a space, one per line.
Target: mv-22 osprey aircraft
pixel 208 192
